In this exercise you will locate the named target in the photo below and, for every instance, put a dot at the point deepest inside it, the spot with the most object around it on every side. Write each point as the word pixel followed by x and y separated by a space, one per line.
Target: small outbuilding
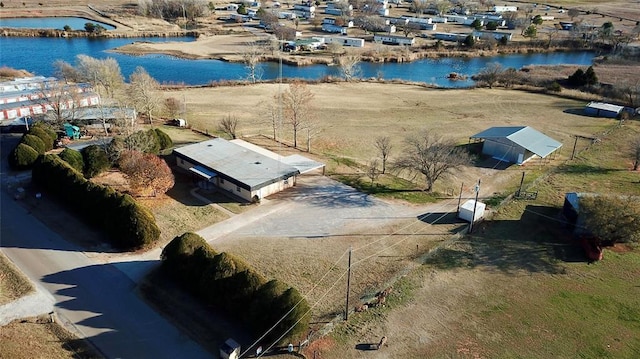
pixel 467 211
pixel 516 144
pixel 601 109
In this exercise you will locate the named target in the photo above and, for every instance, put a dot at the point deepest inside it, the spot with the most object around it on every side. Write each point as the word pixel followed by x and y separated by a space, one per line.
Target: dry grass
pixel 352 115
pixel 13 284
pixel 32 338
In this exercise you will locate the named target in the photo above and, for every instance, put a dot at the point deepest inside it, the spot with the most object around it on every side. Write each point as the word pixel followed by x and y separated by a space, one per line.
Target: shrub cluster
pixel 227 282
pixel 128 225
pixel 38 140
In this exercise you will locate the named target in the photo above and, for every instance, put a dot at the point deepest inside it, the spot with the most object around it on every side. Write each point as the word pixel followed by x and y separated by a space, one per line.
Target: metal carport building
pixel 516 144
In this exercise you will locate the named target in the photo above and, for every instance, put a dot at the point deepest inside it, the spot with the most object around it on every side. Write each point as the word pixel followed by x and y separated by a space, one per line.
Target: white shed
pixel 230 349
pixel 466 210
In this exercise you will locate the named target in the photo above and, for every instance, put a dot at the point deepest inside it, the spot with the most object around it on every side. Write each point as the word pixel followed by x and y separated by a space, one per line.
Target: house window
pixel 221 180
pixel 238 189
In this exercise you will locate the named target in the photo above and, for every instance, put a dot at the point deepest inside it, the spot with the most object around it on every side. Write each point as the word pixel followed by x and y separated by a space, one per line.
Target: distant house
pixel 393 39
pixel 344 41
pixel 601 109
pixel 242 169
pixel 498 35
pixel 516 144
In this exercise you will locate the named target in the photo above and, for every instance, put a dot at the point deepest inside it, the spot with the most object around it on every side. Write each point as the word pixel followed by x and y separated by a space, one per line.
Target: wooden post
pixel 520 188
pixel 575 143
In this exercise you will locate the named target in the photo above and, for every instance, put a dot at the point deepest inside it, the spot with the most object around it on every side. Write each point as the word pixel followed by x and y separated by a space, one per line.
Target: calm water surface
pixel 58 23
pixel 38 54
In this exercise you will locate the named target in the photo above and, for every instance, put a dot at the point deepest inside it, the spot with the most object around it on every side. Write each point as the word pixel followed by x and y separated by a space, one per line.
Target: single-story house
pixel 248 171
pixel 516 144
pixel 601 109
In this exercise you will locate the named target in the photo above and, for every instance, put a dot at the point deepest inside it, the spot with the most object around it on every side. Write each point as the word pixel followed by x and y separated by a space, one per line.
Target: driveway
pixel 317 206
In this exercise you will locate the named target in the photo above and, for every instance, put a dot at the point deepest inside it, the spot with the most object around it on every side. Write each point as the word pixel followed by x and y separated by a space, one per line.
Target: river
pixel 37 55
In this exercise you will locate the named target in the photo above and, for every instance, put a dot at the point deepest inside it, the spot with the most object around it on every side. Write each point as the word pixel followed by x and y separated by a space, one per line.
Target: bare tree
pixel 228 126
pixel 442 6
pixel 384 147
pixel 490 74
pixel 312 128
pixel 251 57
pixel 297 107
pixel 173 106
pixel 419 6
pixel 431 156
pixel 62 101
pixel 631 91
pixel 410 28
pixel 143 92
pixel 372 170
pixel 284 33
pixel 349 66
pixel 573 13
pixel 102 74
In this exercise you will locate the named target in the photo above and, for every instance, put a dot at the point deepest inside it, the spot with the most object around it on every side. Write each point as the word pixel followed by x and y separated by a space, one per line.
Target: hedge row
pixel 38 140
pixel 128 225
pixel 227 282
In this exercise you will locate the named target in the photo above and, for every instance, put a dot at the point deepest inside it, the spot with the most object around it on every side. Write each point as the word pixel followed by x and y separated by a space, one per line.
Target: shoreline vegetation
pixel 391 55
pixel 229 43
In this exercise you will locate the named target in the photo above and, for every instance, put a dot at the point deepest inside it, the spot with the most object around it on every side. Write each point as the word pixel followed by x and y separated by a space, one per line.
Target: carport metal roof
pixel 525 136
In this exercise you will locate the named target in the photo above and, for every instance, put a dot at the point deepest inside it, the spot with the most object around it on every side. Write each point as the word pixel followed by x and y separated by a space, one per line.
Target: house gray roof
pixel 234 162
pixel 525 136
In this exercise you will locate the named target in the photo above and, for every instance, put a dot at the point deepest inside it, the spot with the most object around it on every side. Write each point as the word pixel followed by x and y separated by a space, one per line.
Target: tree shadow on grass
pixel 579 168
pixel 576 111
pixel 537 243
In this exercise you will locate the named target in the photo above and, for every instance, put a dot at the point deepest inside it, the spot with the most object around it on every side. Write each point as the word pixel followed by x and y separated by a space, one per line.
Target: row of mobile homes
pixel 332 21
pixel 25 83
pixel 505 8
pixel 344 41
pixel 394 40
pixel 498 35
pixel 13 110
pixel 305 11
pixel 338 9
pixel 449 36
pixel 334 29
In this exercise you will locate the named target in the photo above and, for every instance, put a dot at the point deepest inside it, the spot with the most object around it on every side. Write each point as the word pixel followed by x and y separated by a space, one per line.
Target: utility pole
pixel 475 205
pixel 460 197
pixel 346 309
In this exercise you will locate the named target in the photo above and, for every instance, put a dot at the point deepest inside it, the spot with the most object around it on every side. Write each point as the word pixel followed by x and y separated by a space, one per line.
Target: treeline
pixel 226 282
pixel 127 224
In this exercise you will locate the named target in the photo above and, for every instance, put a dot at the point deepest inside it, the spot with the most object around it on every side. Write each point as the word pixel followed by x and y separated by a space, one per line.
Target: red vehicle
pixel 592 249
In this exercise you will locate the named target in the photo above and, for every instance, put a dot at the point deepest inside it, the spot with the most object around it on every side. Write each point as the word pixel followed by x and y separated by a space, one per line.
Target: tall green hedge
pixel 46 139
pixel 73 158
pixel 34 142
pixel 227 282
pixel 128 225
pixel 22 157
pixel 96 160
pixel 164 140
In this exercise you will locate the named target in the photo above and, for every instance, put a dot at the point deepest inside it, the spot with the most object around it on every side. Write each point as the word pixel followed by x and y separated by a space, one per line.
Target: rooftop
pixel 525 136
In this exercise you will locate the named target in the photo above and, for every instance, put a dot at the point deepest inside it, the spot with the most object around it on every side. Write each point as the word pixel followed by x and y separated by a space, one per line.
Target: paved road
pixel 97 300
